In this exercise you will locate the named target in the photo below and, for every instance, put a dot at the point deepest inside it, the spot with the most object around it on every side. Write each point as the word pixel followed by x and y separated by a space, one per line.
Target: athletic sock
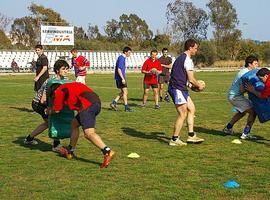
pixel 114 102
pixel 29 138
pixel 126 106
pixel 229 126
pixel 174 138
pixel 191 134
pixel 71 149
pixel 105 150
pixel 56 143
pixel 247 130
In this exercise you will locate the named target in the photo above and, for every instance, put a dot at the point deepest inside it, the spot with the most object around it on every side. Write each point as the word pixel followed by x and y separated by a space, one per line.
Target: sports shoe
pixel 157 106
pixel 113 106
pixel 247 137
pixel 143 105
pixel 65 152
pixel 228 131
pixel 195 139
pixel 107 158
pixel 32 142
pixel 57 148
pixel 167 98
pixel 128 109
pixel 177 142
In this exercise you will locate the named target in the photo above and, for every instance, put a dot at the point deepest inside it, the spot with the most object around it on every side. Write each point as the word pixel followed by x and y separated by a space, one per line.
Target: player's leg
pixel 180 101
pixel 40 109
pixel 241 104
pixel 118 97
pixel 145 94
pixel 250 121
pixel 192 136
pixel 161 85
pixel 156 97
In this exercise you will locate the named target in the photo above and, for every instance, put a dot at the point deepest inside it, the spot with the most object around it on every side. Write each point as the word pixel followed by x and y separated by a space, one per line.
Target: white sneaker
pixel 177 142
pixel 194 139
pixel 57 148
pixel 32 142
pixel 247 137
pixel 228 131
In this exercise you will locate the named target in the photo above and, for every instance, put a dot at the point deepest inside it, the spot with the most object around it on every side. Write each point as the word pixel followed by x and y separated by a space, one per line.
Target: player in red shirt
pixel 86 102
pixel 80 65
pixel 151 68
pixel 264 76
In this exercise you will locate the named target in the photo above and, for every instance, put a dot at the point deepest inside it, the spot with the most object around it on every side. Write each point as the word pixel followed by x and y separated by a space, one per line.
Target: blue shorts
pixel 179 97
pixel 87 117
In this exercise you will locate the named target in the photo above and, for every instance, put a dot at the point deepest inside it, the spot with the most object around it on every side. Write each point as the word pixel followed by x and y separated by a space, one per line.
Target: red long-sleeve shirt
pixel 81 61
pixel 76 96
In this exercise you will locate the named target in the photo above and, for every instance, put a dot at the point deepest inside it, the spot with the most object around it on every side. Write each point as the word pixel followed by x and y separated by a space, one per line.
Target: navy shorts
pixel 40 109
pixel 120 85
pixel 87 117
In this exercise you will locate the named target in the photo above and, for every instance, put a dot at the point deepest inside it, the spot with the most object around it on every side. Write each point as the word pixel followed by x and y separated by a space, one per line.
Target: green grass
pixel 162 172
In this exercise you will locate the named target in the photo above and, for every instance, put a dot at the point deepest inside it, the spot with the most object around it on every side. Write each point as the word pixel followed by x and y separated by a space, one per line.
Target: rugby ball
pixel 196 89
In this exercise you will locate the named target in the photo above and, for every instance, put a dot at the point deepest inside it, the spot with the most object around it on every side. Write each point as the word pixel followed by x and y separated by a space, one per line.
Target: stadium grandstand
pixel 100 61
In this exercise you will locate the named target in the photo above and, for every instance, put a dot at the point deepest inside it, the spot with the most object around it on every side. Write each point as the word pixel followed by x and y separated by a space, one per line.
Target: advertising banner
pixel 57 35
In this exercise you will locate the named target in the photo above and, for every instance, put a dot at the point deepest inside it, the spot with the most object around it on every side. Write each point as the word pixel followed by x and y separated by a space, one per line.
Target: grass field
pixel 162 172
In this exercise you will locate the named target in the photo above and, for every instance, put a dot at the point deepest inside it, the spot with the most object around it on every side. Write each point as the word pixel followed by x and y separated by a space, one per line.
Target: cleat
pixel 194 140
pixel 107 158
pixel 31 142
pixel 113 106
pixel 157 106
pixel 248 137
pixel 167 98
pixel 128 110
pixel 228 131
pixel 177 142
pixel 65 153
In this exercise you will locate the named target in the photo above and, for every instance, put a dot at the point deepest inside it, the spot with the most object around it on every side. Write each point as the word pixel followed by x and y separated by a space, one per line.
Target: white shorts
pixel 241 103
pixel 80 79
pixel 179 97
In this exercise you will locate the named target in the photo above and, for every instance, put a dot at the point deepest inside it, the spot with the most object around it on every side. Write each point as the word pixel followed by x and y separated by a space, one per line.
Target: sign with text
pixel 57 35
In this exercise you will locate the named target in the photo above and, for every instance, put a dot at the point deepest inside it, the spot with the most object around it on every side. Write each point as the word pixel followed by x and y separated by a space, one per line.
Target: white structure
pixel 100 61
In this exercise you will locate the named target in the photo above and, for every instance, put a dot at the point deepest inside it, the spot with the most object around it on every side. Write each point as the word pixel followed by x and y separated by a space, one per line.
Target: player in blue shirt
pixel 240 102
pixel 120 79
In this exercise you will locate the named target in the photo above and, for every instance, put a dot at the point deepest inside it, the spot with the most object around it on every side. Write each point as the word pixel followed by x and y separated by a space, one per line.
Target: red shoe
pixel 107 159
pixel 65 153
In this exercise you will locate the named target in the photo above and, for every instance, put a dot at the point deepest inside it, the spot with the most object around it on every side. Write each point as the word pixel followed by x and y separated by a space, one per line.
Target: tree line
pixel 184 20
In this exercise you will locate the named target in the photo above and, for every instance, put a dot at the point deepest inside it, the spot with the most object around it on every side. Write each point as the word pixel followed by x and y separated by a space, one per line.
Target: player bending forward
pixel 86 102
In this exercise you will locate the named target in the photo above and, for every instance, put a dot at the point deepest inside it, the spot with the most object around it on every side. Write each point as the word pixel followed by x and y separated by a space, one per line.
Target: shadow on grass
pixel 259 140
pixel 22 109
pixel 41 146
pixel 152 135
pixel 209 131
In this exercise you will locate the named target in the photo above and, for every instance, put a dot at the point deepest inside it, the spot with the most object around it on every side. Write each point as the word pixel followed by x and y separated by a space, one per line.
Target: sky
pixel 253 15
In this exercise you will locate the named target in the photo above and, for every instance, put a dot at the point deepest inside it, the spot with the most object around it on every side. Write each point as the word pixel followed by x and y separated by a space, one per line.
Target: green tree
pixel 112 30
pixel 26 30
pixel 79 33
pixel 186 21
pixel 134 28
pixel 207 54
pixel 93 32
pixel 224 20
pixel 5 42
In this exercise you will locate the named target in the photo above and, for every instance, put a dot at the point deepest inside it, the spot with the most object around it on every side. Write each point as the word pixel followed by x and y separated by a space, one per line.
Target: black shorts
pixel 40 109
pixel 87 117
pixel 120 85
pixel 147 86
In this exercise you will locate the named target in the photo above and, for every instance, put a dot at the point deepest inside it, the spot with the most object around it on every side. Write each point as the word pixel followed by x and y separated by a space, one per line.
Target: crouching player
pixel 86 102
